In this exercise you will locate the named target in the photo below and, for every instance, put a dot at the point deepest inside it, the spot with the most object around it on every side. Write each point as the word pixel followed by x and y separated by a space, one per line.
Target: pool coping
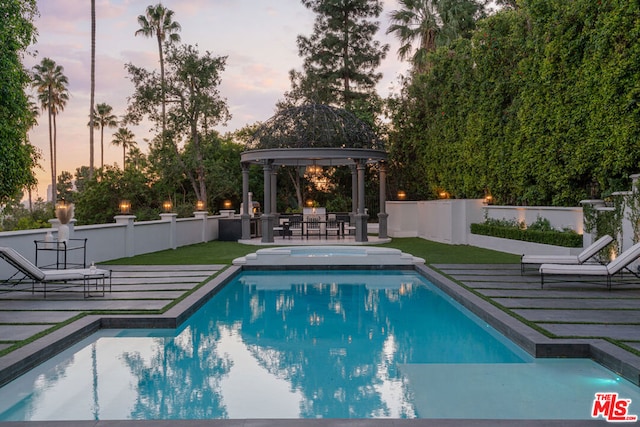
pixel 609 355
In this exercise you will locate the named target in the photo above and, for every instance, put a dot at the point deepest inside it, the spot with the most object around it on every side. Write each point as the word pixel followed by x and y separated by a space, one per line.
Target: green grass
pixel 224 252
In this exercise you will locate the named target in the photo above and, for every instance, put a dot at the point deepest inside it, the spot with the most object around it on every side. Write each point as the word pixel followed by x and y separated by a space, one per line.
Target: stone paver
pixel 134 288
pixel 616 332
pixel 565 309
pixel 36 316
pixel 21 332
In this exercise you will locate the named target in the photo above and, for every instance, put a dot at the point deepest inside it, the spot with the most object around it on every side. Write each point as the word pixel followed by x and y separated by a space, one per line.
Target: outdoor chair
pixel 313 225
pixel 85 277
pixel 283 228
pixel 295 226
pixel 606 272
pixel 588 253
pixel 332 226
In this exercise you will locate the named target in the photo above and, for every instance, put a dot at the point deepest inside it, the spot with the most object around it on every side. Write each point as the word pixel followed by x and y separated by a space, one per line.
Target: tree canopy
pixel 17 156
pixel 540 107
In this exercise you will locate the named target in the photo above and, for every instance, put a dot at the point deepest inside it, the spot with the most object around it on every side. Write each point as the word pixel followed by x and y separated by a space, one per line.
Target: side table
pixel 62 250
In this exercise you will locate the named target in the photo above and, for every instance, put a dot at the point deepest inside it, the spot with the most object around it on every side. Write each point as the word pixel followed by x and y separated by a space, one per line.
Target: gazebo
pixel 320 135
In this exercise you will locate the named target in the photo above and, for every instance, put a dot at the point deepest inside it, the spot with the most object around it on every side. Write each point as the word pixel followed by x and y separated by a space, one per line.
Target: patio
pixel 571 320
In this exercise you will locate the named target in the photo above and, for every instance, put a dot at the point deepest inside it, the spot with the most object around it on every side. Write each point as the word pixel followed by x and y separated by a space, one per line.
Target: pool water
pixel 312 344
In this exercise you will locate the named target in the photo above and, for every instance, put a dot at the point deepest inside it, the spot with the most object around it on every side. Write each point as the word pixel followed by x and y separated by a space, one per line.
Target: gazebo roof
pixel 314 134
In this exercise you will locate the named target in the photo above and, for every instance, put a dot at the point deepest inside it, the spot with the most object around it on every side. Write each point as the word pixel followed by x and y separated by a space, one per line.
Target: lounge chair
pixel 605 271
pixel 86 277
pixel 588 253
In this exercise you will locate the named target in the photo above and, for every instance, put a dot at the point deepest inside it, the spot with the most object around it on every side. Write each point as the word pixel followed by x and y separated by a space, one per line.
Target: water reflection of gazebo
pixel 314 135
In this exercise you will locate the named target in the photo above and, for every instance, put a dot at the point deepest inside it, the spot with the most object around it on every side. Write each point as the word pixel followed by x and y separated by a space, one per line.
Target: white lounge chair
pixel 606 271
pixel 588 253
pixel 86 277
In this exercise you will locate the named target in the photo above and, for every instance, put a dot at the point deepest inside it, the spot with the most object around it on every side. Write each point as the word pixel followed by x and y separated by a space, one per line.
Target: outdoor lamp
pixel 125 206
pixel 167 206
pixel 402 195
pixel 227 204
pixel 200 205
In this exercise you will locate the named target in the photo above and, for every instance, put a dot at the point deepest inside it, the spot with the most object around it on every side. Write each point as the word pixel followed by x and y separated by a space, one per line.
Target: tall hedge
pixel 541 106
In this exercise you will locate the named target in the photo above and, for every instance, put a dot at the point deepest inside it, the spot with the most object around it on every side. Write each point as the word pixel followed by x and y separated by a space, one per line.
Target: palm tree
pixel 51 84
pixel 416 20
pixel 430 22
pixel 103 118
pixel 125 138
pixel 159 22
pixel 93 86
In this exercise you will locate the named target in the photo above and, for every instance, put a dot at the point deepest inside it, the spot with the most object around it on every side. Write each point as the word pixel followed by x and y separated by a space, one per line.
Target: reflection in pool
pixel 310 344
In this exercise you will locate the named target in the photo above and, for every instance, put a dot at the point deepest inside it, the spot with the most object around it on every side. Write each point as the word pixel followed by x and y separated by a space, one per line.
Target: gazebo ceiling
pixel 314 134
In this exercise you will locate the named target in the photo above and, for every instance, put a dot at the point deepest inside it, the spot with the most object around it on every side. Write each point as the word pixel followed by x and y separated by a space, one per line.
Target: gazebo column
pixel 361 216
pixel 382 215
pixel 244 215
pixel 354 193
pixel 267 216
pixel 274 191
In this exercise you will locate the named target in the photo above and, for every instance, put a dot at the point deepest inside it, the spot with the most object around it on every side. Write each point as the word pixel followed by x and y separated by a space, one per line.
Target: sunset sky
pixel 259 38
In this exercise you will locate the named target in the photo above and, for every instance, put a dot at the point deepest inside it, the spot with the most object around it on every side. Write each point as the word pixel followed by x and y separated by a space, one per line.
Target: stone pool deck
pixel 566 317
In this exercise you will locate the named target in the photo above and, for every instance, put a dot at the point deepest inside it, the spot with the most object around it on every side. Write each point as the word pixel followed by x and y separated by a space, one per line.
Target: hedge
pixel 556 238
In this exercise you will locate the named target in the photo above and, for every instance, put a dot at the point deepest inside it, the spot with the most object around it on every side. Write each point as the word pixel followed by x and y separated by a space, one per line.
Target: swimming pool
pixel 310 344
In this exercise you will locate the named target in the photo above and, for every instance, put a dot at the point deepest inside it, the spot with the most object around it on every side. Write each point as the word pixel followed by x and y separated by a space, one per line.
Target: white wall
pixel 445 221
pixel 112 241
pixel 449 221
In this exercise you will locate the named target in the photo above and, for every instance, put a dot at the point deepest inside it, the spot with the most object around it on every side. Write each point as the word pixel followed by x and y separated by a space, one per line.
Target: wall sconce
pixel 200 205
pixel 402 195
pixel 125 206
pixel 167 206
pixel 227 204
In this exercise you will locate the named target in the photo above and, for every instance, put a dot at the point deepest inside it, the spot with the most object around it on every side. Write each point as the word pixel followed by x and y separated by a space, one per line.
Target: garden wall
pixel 123 239
pixel 449 221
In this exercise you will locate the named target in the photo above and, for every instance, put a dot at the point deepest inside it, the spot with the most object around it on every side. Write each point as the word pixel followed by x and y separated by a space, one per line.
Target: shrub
pixel 538 232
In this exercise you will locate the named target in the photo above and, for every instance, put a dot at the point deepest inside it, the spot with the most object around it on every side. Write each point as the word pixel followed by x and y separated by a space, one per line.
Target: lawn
pixel 216 252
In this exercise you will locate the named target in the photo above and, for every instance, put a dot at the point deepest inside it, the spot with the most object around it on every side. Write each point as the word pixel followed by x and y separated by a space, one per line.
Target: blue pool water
pixel 309 344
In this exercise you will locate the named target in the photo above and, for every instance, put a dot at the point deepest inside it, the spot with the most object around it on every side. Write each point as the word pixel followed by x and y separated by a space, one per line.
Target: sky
pixel 257 36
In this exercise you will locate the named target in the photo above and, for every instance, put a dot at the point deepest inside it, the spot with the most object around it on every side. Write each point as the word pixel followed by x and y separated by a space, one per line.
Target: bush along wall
pixel 538 232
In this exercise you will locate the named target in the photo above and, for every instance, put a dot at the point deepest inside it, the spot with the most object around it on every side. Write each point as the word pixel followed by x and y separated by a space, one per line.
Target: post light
pixel 227 204
pixel 488 199
pixel 167 206
pixel 200 205
pixel 125 206
pixel 309 203
pixel 444 195
pixel 402 195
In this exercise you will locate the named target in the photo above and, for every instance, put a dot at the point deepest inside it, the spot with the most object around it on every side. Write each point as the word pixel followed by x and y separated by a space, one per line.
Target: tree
pixel 17 155
pixel 65 187
pixel 51 84
pixel 123 138
pixel 430 23
pixel 417 20
pixel 159 22
pixel 103 118
pixel 93 88
pixel 341 55
pixel 192 83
